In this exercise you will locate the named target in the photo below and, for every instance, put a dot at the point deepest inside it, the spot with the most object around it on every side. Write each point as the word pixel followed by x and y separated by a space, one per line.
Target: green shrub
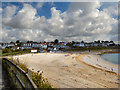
pixel 37 78
pixel 40 81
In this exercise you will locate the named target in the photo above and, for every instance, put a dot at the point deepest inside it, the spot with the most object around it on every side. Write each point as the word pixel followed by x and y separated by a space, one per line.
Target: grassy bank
pixel 9 51
pixel 37 77
pixel 15 53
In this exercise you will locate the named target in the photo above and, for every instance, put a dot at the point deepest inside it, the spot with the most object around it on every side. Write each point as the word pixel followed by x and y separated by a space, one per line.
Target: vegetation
pixel 7 72
pixel 0 52
pixel 56 41
pixel 37 77
pixel 9 51
pixel 18 41
pixel 40 81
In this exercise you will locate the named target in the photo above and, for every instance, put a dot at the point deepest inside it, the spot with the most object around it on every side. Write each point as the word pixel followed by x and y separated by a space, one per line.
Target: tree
pixel 73 42
pixel 102 41
pixel 56 41
pixel 82 41
pixel 44 41
pixel 111 42
pixel 11 42
pixel 95 41
pixel 17 41
pixel 106 41
pixel 19 44
pixel 98 41
pixel 28 41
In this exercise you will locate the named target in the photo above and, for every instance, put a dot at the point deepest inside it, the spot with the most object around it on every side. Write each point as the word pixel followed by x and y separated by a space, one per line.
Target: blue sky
pixel 44 10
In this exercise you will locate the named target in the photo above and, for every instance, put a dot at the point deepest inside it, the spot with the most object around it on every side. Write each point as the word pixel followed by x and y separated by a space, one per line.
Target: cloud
pixel 23 19
pixel 9 11
pixel 39 4
pixel 1 10
pixel 112 10
pixel 82 21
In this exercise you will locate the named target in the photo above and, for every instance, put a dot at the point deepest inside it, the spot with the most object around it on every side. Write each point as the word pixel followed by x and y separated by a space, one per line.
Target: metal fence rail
pixel 19 77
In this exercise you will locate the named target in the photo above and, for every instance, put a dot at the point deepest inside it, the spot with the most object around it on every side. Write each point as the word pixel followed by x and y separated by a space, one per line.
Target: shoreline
pixel 98 53
pixel 97 62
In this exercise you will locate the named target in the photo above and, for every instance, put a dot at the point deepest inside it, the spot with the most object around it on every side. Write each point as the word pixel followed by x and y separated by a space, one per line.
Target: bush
pixel 37 78
pixel 6 50
pixel 40 81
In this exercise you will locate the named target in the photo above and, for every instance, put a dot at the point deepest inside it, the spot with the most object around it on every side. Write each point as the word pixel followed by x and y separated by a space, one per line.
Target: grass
pixel 14 53
pixel 37 77
pixel 9 51
pixel 40 81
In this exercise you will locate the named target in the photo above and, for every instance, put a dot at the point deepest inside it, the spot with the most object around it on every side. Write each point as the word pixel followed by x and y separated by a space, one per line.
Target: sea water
pixel 113 58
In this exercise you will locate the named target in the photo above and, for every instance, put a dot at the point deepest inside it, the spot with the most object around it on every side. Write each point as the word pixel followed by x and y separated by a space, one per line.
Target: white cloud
pixel 9 11
pixel 82 21
pixel 112 10
pixel 39 4
pixel 1 10
pixel 23 19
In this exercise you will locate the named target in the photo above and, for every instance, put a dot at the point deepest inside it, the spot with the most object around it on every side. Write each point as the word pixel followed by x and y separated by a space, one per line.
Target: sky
pixel 66 21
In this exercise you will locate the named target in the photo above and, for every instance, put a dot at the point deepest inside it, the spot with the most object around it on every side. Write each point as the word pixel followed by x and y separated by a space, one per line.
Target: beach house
pixel 79 44
pixel 4 45
pixel 26 45
pixel 43 45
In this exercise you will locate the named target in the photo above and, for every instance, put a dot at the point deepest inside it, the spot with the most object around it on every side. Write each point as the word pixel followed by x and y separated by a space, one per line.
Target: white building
pixel 79 45
pixel 4 45
pixel 26 45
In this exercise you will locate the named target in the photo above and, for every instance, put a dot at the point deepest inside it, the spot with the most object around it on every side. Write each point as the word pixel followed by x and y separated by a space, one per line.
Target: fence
pixel 19 78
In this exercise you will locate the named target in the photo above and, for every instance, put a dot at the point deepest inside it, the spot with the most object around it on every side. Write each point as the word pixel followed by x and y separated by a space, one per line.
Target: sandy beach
pixel 73 71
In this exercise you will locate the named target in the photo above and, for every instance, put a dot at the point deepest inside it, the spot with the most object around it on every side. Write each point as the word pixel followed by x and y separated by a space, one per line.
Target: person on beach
pixel 112 69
